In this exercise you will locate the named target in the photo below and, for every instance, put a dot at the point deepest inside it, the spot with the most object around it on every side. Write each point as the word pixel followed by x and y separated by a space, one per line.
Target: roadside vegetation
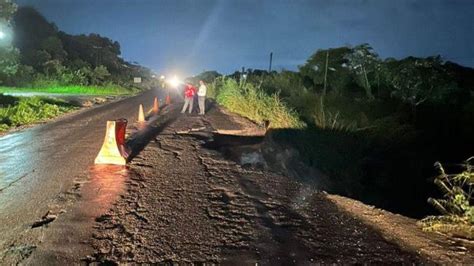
pixel 373 126
pixel 74 90
pixel 36 57
pixel 17 111
pixel 252 102
pixel 42 56
pixel 457 217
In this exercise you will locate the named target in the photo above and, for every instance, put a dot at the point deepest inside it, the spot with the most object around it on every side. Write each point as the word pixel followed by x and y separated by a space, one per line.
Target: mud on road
pixel 186 203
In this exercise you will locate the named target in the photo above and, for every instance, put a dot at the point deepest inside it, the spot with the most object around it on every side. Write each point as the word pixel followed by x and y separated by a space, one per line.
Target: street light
pixel 2 35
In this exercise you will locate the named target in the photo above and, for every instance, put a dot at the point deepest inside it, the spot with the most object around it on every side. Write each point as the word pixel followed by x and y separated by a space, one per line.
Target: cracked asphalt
pixel 188 204
pixel 182 200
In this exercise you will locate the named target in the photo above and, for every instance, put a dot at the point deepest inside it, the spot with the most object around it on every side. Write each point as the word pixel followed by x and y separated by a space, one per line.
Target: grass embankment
pixel 17 111
pixel 380 152
pixel 251 102
pixel 73 90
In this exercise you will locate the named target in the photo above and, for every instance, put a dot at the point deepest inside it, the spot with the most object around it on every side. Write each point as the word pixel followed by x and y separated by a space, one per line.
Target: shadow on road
pixel 150 129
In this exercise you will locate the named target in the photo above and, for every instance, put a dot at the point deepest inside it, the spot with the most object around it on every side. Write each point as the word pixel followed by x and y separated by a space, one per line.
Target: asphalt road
pixel 179 200
pixel 40 163
pixel 187 203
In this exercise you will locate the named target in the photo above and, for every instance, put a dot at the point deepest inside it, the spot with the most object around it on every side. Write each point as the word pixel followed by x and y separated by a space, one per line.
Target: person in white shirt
pixel 202 97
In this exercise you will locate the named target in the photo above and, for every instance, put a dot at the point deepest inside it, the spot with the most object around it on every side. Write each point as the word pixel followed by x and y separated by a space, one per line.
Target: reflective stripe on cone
pixel 113 148
pixel 141 114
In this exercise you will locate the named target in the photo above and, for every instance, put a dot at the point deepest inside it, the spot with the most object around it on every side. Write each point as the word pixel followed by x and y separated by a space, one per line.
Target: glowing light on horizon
pixel 174 82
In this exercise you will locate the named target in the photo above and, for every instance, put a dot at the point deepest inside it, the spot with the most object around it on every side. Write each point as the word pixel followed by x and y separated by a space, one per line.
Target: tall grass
pixel 29 110
pixel 249 101
pixel 333 120
pixel 82 90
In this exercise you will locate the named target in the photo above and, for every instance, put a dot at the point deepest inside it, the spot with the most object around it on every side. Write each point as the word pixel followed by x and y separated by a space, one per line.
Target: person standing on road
pixel 202 97
pixel 189 93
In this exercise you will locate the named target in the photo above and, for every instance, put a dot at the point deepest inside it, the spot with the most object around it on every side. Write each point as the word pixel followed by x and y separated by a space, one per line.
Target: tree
pixel 95 50
pixel 77 64
pixel 7 9
pixel 68 58
pixel 23 77
pixel 363 61
pixel 417 80
pixel 36 58
pixel 54 68
pixel 99 75
pixel 54 47
pixel 31 31
pixel 8 54
pixel 82 76
pixel 8 62
pixel 206 76
pixel 328 67
pixel 286 84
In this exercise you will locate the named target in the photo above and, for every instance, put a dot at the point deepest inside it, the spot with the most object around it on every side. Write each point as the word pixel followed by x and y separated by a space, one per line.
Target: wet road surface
pixel 40 163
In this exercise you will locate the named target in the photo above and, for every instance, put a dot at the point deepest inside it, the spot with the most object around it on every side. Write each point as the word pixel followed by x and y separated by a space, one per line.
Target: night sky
pixel 189 36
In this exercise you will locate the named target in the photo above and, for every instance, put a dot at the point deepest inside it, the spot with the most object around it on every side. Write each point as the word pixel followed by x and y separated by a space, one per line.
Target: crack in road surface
pixel 181 201
pixel 188 204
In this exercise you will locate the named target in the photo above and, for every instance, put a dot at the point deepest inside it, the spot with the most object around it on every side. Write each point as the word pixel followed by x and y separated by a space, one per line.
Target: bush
pixel 251 102
pixel 213 88
pixel 29 110
pixel 99 75
pixel 42 81
pixel 327 117
pixel 456 207
pixel 82 76
pixel 24 76
pixel 287 84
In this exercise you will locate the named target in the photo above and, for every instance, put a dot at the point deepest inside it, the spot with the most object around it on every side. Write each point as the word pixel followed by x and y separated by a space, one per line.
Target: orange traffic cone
pixel 112 151
pixel 168 100
pixel 156 106
pixel 141 114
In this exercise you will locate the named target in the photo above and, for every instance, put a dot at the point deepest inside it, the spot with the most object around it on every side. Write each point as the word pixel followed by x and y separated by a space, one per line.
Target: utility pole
pixel 326 72
pixel 323 113
pixel 271 59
